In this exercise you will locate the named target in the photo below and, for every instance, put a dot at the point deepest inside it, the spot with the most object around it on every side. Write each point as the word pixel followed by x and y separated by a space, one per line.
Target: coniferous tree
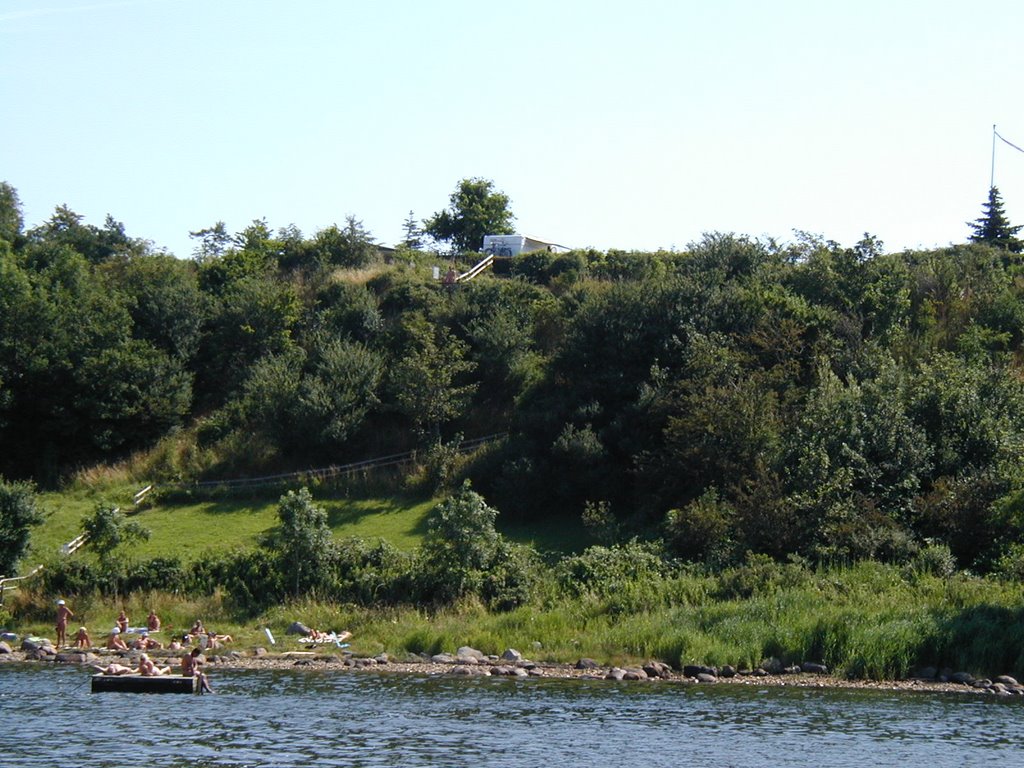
pixel 993 228
pixel 413 233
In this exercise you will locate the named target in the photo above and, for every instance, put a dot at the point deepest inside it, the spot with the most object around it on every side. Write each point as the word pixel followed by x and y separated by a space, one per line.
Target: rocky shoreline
pixel 468 662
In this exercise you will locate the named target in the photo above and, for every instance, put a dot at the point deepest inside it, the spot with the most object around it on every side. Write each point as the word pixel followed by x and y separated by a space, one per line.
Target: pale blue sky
pixel 631 125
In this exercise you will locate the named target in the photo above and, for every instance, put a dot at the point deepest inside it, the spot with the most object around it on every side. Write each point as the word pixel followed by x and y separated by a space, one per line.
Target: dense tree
pixel 427 381
pixel 11 220
pixel 474 209
pixel 107 530
pixel 302 541
pixel 993 228
pixel 18 513
pixel 348 246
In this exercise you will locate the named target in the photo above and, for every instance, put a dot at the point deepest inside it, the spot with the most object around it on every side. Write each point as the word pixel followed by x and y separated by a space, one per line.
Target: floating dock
pixel 144 684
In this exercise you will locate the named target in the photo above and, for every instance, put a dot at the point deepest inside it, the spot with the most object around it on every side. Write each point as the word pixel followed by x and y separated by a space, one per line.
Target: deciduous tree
pixel 474 209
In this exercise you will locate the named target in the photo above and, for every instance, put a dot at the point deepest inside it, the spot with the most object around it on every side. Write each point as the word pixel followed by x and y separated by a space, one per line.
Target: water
pixel 333 718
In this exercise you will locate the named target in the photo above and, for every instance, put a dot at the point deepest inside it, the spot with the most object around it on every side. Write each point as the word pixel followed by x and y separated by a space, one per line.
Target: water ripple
pixel 333 718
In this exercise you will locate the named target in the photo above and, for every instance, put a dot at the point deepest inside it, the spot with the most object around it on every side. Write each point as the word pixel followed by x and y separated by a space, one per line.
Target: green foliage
pixel 702 530
pixel 993 228
pixel 464 555
pixel 108 530
pixel 474 210
pixel 302 543
pixel 19 511
pixel 349 246
pixel 427 383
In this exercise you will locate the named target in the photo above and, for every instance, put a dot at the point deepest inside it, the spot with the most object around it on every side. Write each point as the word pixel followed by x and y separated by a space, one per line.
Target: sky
pixel 635 125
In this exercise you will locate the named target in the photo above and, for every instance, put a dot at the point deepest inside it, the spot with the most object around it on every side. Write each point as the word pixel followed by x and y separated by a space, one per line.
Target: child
pixel 82 638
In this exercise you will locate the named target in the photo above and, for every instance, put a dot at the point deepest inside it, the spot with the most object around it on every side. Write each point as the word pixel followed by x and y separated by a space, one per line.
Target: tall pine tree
pixel 993 228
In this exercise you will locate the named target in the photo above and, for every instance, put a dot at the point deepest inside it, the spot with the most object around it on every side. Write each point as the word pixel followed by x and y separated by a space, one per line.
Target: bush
pixel 1010 564
pixel 935 560
pixel 701 530
pixel 607 571
pixel 164 574
pixel 760 575
pixel 72 577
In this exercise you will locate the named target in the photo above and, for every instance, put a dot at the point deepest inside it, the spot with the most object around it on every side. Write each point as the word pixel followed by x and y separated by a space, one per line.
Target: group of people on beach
pixel 191 662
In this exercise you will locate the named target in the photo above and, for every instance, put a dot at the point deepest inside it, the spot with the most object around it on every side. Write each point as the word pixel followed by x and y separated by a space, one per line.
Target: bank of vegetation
pixel 790 449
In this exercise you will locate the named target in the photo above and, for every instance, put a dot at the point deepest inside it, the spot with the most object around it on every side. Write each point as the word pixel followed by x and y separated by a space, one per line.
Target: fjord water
pixel 334 718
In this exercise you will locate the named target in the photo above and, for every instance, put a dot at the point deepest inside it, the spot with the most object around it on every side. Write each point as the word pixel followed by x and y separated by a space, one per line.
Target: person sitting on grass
pixel 115 642
pixel 122 621
pixel 153 622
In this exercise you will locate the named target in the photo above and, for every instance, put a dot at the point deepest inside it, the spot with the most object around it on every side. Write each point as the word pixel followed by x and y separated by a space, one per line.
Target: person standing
pixel 63 614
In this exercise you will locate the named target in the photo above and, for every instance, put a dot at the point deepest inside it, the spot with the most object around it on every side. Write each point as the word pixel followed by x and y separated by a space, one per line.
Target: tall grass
pixel 866 621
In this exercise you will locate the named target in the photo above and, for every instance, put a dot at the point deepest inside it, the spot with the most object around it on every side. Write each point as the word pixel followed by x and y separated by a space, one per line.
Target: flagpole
pixel 992 178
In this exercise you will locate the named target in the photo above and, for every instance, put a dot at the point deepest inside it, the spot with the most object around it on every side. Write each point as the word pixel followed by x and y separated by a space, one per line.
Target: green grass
pixel 188 528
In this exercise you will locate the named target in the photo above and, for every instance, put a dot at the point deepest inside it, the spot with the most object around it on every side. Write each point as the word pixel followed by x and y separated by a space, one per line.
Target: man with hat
pixel 63 614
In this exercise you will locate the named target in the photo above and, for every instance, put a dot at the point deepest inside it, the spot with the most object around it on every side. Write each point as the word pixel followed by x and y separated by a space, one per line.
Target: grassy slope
pixel 187 529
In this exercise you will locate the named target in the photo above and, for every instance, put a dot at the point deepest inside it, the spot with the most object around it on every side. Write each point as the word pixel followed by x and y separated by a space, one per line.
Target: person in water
pixel 63 614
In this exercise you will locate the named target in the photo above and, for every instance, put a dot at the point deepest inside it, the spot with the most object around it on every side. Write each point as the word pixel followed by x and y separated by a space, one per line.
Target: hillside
pixel 804 399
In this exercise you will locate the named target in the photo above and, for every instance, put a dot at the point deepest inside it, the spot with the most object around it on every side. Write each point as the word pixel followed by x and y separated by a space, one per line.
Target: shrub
pixel 606 571
pixel 701 529
pixel 935 560
pixel 72 577
pixel 161 573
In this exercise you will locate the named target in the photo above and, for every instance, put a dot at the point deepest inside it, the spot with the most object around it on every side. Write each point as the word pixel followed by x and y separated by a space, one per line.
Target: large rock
pixel 727 671
pixel 298 628
pixel 467 652
pixel 692 670
pixel 509 671
pixel 511 654
pixel 964 678
pixel 615 673
pixel 76 657
pixel 813 668
pixel 5 648
pixel 587 664
pixel 1006 680
pixel 634 673
pixel 36 643
pixel 704 677
pixel 658 669
pixel 467 670
pixel 442 658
